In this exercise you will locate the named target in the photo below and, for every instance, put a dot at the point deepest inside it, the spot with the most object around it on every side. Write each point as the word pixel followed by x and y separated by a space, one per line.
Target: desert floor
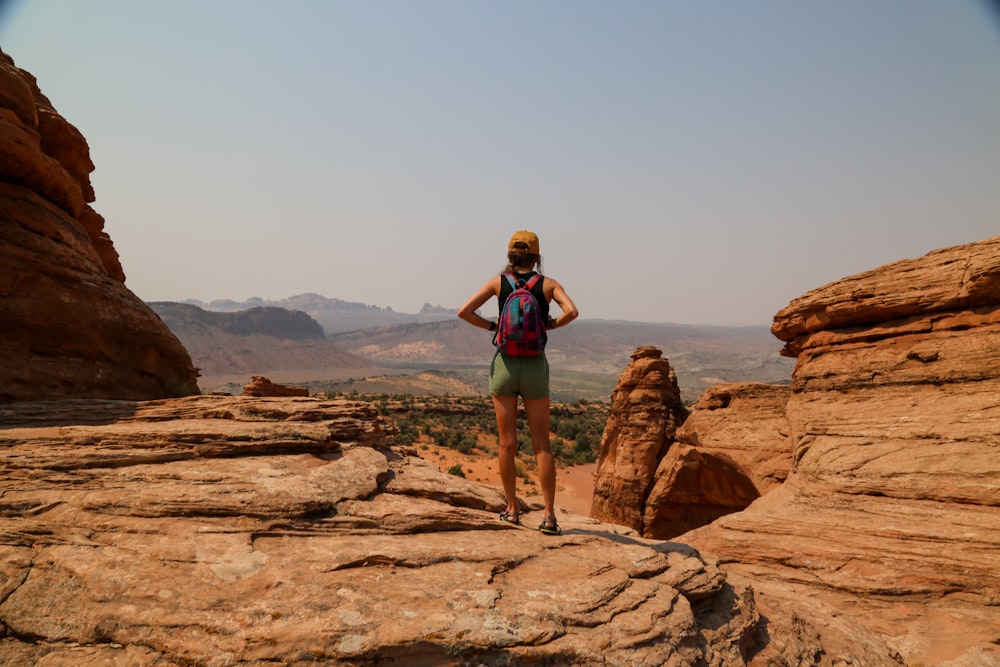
pixel 574 484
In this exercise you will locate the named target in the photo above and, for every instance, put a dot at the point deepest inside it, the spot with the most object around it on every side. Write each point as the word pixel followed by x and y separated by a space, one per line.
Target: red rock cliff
pixel 68 325
pixel 890 517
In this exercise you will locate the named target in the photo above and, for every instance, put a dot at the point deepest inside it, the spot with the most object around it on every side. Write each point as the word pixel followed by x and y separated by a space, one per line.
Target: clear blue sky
pixel 682 161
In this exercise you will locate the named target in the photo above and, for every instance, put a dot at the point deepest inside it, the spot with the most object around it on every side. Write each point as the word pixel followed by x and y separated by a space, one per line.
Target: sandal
pixel 549 526
pixel 507 517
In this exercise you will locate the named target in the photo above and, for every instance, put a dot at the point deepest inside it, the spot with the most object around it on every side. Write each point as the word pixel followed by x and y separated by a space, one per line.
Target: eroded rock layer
pixel 890 517
pixel 663 471
pixel 732 449
pixel 68 325
pixel 646 411
pixel 221 530
pixel 746 424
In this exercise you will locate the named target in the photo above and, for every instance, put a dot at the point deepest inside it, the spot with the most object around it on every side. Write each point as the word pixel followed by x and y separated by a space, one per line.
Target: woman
pixel 524 376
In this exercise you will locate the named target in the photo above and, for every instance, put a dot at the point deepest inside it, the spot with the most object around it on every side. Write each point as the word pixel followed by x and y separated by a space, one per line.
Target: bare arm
pixel 468 311
pixel 569 311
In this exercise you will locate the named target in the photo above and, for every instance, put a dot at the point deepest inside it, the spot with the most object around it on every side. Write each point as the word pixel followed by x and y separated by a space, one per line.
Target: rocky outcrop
pixel 731 449
pixel 745 424
pixel 890 517
pixel 70 326
pixel 220 530
pixel 663 472
pixel 262 386
pixel 646 411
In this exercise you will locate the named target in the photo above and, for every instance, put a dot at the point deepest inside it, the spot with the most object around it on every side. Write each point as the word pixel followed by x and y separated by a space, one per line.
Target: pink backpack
pixel 521 330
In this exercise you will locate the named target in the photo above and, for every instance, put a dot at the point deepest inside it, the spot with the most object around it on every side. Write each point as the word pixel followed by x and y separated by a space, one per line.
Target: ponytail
pixel 523 261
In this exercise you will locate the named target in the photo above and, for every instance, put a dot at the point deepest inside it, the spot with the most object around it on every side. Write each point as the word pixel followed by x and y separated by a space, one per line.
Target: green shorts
pixel 527 377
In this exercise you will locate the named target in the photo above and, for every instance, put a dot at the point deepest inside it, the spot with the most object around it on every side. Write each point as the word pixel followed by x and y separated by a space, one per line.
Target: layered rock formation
pixel 663 472
pixel 889 521
pixel 70 327
pixel 646 410
pixel 220 530
pixel 183 318
pixel 732 449
pixel 745 424
pixel 262 386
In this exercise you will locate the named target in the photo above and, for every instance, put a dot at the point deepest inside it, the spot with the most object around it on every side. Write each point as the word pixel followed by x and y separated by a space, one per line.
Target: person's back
pixel 522 319
pixel 525 374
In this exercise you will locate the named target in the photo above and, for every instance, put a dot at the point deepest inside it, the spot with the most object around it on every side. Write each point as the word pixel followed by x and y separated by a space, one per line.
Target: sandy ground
pixel 574 485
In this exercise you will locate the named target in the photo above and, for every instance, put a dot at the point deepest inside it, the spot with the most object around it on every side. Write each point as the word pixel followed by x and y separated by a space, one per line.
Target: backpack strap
pixel 515 281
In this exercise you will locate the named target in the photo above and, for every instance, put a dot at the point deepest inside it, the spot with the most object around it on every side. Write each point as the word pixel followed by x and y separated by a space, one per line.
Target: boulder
pixel 70 326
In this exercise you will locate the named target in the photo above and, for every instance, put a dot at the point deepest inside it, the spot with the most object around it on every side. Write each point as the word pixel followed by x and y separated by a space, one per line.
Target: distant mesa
pixel 334 315
pixel 262 340
pixel 227 337
pixel 259 320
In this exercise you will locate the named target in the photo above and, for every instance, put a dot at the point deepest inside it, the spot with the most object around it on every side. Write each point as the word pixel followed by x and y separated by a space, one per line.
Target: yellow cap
pixel 529 239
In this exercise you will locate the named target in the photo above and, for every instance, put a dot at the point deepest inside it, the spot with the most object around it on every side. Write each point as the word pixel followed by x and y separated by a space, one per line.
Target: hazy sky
pixel 696 161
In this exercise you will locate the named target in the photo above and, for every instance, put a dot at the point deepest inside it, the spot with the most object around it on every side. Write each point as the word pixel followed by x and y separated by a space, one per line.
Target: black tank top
pixel 537 290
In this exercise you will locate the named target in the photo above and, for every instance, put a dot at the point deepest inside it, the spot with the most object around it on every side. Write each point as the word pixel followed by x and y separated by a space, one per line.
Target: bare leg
pixel 538 423
pixel 506 411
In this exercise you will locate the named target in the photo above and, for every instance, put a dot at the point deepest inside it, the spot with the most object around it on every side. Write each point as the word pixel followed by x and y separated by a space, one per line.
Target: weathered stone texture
pixel 663 472
pixel 68 324
pixel 646 410
pixel 262 386
pixel 220 530
pixel 746 424
pixel 891 514
pixel 732 448
pixel 950 280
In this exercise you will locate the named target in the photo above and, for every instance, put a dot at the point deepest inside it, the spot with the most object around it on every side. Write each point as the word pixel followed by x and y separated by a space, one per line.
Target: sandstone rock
pixel 949 280
pixel 70 326
pixel 746 425
pixel 662 475
pixel 890 518
pixel 646 410
pixel 692 488
pixel 262 386
pixel 24 159
pixel 220 530
pixel 731 449
pixel 93 222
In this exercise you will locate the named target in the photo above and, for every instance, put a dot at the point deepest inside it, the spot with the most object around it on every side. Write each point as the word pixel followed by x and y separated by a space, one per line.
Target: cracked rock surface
pixel 219 530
